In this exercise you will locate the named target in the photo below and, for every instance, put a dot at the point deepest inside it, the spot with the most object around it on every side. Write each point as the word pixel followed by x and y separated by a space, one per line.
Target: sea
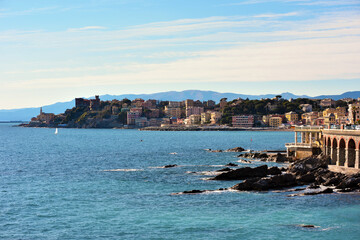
pixel 110 184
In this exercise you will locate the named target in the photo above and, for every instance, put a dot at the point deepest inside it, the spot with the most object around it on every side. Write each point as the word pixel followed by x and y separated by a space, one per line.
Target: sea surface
pixel 60 187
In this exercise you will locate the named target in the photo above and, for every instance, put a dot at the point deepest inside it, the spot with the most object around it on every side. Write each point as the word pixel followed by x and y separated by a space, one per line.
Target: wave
pixel 123 170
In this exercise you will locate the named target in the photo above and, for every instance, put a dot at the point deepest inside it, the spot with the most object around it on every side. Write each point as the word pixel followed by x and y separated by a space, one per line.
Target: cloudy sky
pixel 54 51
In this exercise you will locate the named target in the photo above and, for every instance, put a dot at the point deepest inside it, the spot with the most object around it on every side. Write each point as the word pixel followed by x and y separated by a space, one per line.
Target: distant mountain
pixel 354 94
pixel 25 114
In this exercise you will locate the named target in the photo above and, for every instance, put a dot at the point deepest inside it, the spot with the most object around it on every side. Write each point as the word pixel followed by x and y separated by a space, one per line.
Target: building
pixel 189 103
pixel 173 104
pixel 205 117
pixel 327 102
pixel 93 104
pixel 173 112
pixel 292 116
pixel 195 119
pixel 327 111
pixel 141 122
pixel 152 113
pixel 210 104
pixel 132 116
pixel 149 104
pixel 275 121
pixel 354 112
pixel 194 111
pixel 138 102
pixel 215 117
pixel 330 119
pixel 309 118
pixel 45 117
pixel 243 121
pixel 306 107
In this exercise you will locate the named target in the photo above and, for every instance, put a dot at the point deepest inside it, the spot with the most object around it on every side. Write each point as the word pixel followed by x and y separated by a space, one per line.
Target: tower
pixel 41 110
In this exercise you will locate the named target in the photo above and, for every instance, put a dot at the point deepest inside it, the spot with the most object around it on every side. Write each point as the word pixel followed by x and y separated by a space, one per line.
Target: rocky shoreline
pixel 311 173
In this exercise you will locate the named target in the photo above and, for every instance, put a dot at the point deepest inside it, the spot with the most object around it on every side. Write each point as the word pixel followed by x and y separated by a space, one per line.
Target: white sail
pixel 56 131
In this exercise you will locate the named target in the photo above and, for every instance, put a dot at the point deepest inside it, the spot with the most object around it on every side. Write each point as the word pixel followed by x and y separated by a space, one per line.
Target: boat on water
pixel 56 131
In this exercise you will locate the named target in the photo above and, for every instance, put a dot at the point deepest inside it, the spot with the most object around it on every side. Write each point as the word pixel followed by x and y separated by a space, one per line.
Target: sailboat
pixel 56 131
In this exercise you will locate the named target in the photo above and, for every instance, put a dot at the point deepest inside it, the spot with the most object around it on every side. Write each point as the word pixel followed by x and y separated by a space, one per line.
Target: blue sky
pixel 57 50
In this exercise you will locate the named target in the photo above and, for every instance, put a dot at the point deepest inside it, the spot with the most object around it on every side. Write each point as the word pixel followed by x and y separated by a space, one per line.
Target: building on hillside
pixel 306 107
pixel 275 121
pixel 173 104
pixel 205 117
pixel 189 103
pixel 132 116
pixel 243 121
pixel 173 112
pixel 194 119
pixel 141 122
pixel 327 102
pixel 45 117
pixel 194 110
pixel 93 104
pixel 292 117
pixel 149 104
pixel 138 102
pixel 354 112
pixel 330 119
pixel 209 104
pixel 327 111
pixel 215 117
pixel 308 118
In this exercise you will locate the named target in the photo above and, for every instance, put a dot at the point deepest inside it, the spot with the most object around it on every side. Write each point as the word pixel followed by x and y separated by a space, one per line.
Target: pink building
pixel 243 121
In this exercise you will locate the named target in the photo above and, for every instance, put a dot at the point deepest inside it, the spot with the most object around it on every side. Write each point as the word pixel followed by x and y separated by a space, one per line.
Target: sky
pixel 53 51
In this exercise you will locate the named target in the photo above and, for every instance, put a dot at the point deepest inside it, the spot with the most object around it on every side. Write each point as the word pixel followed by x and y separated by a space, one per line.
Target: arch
pixel 351 153
pixel 328 146
pixel 342 147
pixel 334 152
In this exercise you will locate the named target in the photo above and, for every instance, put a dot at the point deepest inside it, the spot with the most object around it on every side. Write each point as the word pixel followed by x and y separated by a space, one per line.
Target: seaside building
pixel 243 121
pixel 292 116
pixel 45 117
pixel 309 118
pixel 215 117
pixel 275 121
pixel 132 116
pixel 205 117
pixel 195 119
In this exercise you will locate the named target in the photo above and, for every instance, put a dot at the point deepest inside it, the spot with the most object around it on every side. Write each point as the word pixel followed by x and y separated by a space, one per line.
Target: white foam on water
pixel 123 170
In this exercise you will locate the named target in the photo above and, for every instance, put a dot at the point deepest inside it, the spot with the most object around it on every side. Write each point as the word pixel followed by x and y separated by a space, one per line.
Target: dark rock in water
pixel 224 170
pixel 216 150
pixel 170 166
pixel 351 182
pixel 274 171
pixel 306 178
pixel 302 166
pixel 279 158
pixel 231 165
pixel 193 191
pixel 283 169
pixel 307 226
pixel 262 184
pixel 243 173
pixel 236 149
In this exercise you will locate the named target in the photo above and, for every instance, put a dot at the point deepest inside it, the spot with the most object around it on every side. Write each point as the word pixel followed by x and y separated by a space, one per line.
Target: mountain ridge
pixel 25 114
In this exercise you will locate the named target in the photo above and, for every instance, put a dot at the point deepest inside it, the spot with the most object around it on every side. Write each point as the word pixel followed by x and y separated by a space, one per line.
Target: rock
pixel 351 182
pixel 216 151
pixel 231 165
pixel 274 171
pixel 170 166
pixel 262 184
pixel 193 191
pixel 306 178
pixel 244 161
pixel 224 170
pixel 243 173
pixel 302 166
pixel 236 149
pixel 307 226
pixel 313 186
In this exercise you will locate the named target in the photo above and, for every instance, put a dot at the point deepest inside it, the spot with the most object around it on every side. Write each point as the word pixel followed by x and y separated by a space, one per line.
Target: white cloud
pixel 86 28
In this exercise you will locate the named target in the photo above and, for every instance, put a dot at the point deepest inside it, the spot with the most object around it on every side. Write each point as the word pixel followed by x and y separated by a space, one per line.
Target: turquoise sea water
pixel 55 187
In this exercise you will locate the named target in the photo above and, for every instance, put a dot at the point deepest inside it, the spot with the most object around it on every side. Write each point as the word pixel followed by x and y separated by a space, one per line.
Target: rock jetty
pixel 311 171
